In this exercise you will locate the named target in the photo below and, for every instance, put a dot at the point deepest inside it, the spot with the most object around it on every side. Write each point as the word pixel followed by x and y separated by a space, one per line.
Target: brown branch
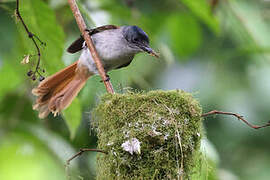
pixel 239 117
pixel 90 45
pixel 32 37
pixel 213 4
pixel 82 150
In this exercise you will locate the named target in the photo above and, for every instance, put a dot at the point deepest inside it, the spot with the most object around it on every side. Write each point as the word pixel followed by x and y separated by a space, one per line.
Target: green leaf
pixel 73 116
pixel 4 1
pixel 9 79
pixel 250 27
pixel 41 21
pixel 201 8
pixel 185 34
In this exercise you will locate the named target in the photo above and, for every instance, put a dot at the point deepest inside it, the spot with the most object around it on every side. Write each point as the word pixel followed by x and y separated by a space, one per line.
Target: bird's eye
pixel 135 39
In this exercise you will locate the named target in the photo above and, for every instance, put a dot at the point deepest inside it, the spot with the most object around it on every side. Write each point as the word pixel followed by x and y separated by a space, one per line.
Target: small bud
pixel 29 73
pixel 30 35
pixel 34 78
pixel 16 16
pixel 41 78
pixel 25 59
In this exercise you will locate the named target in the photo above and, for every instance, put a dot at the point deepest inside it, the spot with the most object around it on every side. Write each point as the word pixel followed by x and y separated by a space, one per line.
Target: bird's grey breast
pixel 113 48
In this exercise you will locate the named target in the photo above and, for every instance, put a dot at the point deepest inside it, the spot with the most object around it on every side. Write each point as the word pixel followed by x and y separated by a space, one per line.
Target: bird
pixel 116 46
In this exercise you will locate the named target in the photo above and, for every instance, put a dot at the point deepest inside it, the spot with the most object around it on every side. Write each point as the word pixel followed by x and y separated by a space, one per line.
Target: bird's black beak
pixel 149 50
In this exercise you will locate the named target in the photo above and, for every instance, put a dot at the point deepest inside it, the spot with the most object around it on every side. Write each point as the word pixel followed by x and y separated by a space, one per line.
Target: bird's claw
pixel 107 78
pixel 87 30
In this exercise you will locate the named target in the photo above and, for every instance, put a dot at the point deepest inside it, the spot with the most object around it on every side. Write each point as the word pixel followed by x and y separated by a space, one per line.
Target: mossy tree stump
pixel 154 135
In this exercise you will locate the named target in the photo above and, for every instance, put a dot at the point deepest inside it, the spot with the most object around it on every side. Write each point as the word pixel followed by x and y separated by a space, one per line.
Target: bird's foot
pixel 107 78
pixel 87 30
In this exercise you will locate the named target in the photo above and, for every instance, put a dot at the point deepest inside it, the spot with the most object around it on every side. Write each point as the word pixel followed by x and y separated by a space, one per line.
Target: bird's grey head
pixel 138 39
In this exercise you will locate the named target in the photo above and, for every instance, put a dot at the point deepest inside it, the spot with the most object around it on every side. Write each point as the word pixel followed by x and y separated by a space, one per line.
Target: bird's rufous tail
pixel 56 92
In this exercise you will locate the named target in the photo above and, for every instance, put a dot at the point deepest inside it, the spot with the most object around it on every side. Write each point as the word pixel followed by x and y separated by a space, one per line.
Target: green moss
pixel 167 124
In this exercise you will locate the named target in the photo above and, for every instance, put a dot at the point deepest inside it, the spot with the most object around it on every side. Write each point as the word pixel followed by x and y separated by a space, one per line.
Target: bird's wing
pixel 78 44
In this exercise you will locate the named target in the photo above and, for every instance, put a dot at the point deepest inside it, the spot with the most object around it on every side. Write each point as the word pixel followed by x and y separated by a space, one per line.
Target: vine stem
pixel 82 26
pixel 82 150
pixel 31 36
pixel 239 117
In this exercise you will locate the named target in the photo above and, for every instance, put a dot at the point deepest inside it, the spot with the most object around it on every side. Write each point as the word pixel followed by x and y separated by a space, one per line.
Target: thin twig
pixel 32 37
pixel 239 117
pixel 90 45
pixel 82 150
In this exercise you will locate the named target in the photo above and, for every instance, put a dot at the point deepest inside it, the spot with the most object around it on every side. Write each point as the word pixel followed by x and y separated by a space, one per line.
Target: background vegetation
pixel 218 50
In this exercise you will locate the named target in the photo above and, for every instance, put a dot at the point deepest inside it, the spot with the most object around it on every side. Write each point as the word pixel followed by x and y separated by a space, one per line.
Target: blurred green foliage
pixel 220 53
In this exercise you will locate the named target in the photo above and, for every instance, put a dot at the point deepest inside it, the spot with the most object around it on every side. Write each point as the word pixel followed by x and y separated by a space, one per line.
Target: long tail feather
pixel 56 92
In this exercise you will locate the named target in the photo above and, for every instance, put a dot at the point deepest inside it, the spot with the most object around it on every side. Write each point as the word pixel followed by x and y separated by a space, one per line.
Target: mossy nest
pixel 152 135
